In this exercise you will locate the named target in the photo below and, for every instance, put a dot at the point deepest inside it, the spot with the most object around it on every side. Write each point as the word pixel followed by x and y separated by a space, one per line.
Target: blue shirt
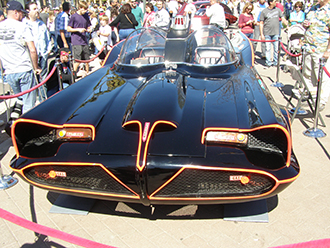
pixel 40 35
pixel 61 23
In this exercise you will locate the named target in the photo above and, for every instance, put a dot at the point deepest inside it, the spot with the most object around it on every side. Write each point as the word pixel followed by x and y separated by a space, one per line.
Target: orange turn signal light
pixel 74 134
pixel 245 180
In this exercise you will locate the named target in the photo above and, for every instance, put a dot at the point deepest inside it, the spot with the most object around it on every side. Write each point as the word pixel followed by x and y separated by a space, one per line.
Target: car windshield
pixel 207 46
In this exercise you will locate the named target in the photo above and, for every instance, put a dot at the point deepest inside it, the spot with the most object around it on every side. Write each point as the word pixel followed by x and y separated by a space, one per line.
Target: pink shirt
pixel 149 19
pixel 243 19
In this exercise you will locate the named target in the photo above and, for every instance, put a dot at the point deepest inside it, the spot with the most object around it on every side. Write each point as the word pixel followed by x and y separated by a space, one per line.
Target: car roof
pixel 226 8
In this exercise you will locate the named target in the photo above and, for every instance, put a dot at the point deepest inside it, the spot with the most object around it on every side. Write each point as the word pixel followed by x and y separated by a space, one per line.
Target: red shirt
pixel 280 6
pixel 246 28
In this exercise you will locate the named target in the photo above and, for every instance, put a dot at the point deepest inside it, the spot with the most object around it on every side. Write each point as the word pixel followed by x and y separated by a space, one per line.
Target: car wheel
pixel 227 24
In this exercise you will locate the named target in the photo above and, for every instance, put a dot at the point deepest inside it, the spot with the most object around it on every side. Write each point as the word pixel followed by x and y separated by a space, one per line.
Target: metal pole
pixel 34 73
pixel 3 91
pixel 57 64
pixel 71 60
pixel 315 132
pixel 278 83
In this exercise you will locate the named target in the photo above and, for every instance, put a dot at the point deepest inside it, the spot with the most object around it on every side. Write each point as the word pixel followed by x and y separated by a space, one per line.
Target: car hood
pixel 169 114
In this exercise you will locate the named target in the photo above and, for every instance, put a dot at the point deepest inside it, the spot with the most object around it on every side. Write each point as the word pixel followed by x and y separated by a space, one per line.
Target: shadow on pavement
pixel 136 210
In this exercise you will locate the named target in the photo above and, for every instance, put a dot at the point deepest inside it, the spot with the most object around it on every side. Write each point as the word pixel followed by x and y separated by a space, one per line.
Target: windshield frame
pixel 162 64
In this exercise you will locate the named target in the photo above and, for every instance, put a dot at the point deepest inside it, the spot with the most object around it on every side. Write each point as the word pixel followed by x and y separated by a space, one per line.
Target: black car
pixel 172 117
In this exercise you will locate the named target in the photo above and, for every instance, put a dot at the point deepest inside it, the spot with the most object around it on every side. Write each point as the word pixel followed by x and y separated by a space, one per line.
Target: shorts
pixel 81 52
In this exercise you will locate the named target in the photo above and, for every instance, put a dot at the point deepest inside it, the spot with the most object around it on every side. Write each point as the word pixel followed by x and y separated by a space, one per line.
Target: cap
pixel 64 51
pixel 14 5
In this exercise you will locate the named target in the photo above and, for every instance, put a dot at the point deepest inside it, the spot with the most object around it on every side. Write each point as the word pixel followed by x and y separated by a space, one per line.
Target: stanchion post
pixel 278 83
pixel 71 59
pixel 34 73
pixel 315 132
pixel 303 57
pixel 105 48
pixel 3 91
pixel 57 64
pixel 6 181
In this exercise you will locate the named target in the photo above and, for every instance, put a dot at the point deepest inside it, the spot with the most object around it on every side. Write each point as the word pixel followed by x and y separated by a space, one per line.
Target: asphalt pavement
pixel 301 213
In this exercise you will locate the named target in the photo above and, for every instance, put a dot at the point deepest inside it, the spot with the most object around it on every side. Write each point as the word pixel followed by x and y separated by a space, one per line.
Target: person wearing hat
pixel 2 16
pixel 15 57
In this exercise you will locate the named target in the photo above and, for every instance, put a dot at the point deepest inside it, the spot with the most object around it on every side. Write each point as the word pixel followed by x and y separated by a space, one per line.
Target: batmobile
pixel 172 117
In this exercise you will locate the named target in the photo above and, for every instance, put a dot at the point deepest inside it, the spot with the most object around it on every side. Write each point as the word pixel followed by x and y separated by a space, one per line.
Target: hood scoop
pixel 159 99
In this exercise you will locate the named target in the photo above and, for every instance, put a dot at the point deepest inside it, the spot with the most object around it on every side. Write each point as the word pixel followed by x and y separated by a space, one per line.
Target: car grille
pixel 267 140
pixel 215 183
pixel 90 178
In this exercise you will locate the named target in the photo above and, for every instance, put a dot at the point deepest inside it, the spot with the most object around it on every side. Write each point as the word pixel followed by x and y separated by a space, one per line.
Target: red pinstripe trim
pixel 20 171
pixel 47 125
pixel 277 183
pixel 228 129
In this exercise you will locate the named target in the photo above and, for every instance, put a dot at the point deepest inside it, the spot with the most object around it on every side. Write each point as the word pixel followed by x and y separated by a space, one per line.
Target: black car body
pixel 173 117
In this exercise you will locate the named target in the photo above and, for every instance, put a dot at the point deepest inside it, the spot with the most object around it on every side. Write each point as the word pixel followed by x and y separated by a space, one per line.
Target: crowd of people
pixel 264 21
pixel 66 29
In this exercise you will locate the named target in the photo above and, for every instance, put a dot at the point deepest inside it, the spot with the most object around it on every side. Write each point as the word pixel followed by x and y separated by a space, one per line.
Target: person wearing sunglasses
pixel 297 16
pixel 246 20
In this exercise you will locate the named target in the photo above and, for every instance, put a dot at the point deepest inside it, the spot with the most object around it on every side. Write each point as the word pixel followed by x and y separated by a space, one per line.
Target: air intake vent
pixel 90 178
pixel 216 183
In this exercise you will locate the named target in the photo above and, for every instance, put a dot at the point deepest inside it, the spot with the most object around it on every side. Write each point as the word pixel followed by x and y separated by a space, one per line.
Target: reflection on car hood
pixel 188 104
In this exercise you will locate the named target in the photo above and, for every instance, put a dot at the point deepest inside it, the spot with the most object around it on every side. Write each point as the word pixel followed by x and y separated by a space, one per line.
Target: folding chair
pixel 302 92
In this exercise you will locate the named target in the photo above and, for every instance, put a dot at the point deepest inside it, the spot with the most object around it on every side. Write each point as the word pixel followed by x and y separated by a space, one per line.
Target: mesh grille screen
pixel 208 183
pixel 269 140
pixel 91 178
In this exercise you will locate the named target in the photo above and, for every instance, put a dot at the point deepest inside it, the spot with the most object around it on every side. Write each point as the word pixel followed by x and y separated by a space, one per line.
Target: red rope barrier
pixel 262 40
pixel 291 54
pixel 35 227
pixel 88 61
pixel 326 71
pixel 33 88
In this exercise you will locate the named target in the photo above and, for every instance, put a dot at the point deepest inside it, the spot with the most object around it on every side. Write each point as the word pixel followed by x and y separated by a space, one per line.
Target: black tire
pixel 227 24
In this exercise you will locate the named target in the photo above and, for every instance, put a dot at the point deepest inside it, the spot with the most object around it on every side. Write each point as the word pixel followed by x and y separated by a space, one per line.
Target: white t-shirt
pixel 217 15
pixel 13 52
pixel 105 30
pixel 173 6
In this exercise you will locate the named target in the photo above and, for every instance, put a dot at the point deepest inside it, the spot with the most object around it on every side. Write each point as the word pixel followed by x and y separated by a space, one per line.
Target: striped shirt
pixel 61 23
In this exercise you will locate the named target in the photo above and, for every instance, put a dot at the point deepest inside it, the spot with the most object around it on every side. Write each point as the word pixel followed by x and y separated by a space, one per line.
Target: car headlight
pixel 223 137
pixel 76 134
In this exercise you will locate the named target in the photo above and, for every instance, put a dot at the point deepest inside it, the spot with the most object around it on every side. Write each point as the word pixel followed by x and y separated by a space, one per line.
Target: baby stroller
pixel 295 34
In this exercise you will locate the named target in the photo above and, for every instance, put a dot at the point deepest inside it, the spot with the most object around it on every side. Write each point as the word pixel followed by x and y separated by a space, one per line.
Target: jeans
pixel 268 48
pixel 43 65
pixel 123 33
pixel 23 81
pixel 250 35
pixel 61 44
pixel 256 35
pixel 311 72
